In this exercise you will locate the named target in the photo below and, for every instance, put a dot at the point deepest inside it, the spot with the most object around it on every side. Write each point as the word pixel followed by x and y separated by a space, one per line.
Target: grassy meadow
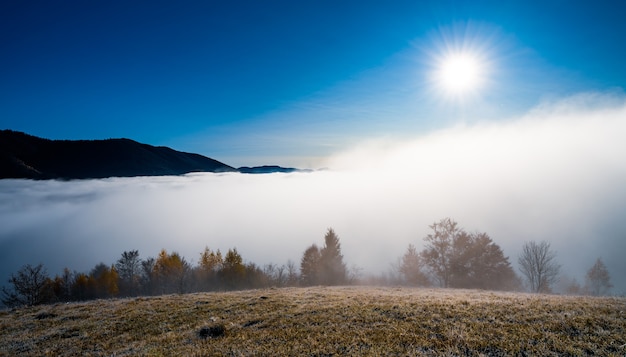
pixel 322 321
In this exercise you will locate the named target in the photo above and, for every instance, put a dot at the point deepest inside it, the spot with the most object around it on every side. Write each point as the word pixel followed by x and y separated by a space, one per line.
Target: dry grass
pixel 357 321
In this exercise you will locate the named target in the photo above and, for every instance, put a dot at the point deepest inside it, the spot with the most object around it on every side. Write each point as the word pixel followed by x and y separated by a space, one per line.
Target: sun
pixel 460 73
pixel 461 62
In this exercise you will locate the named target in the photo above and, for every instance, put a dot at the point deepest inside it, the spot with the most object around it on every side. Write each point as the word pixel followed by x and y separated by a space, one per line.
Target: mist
pixel 556 174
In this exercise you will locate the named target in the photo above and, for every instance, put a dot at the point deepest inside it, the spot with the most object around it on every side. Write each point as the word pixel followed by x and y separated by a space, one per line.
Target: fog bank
pixel 556 174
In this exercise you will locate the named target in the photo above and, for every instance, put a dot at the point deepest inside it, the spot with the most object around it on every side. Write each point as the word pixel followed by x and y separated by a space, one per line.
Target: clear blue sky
pixel 277 82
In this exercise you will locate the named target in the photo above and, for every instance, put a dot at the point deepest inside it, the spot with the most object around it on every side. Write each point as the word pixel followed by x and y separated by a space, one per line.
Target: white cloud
pixel 555 174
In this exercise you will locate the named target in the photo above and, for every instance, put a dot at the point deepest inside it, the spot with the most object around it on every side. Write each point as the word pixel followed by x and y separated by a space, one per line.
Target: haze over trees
pixel 324 266
pixel 450 258
pixel 332 269
pixel 598 279
pixel 411 268
pixel 309 266
pixel 538 265
pixel 453 258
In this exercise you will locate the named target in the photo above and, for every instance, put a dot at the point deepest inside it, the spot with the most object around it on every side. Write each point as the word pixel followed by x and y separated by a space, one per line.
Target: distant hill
pixel 27 156
pixel 268 169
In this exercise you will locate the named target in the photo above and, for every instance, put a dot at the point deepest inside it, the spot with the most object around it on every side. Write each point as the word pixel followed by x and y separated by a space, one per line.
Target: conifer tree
pixel 309 266
pixel 332 268
pixel 411 268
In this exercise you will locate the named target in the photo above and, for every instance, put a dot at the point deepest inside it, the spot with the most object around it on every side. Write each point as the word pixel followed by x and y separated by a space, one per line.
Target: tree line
pixel 171 273
pixel 454 258
pixel 451 258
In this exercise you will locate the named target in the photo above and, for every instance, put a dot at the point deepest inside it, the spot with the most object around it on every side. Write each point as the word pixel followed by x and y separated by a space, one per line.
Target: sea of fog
pixel 556 174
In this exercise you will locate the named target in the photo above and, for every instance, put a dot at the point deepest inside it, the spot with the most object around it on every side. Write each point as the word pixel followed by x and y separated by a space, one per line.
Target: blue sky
pixel 288 82
pixel 535 152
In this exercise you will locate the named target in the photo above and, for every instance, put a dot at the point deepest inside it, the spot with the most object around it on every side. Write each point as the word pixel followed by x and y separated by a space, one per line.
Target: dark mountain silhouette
pixel 27 156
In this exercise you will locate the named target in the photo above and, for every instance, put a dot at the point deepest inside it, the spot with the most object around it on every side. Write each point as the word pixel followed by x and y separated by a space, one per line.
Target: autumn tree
pixel 309 266
pixel 233 270
pixel 104 280
pixel 128 267
pixel 30 286
pixel 172 272
pixel 538 265
pixel 208 266
pixel 62 285
pixel 410 268
pixel 598 279
pixel 332 269
pixel 82 287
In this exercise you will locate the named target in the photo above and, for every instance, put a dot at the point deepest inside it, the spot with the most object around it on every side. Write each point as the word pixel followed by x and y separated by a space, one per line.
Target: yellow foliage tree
pixel 171 271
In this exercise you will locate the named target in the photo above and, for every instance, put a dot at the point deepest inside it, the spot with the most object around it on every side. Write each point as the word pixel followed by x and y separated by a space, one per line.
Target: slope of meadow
pixel 321 321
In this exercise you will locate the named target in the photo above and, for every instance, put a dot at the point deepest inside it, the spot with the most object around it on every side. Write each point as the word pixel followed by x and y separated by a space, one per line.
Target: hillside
pixel 26 156
pixel 356 321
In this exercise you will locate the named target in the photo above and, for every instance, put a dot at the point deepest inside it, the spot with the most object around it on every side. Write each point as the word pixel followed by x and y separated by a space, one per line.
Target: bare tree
pixel 354 274
pixel 538 265
pixel 275 274
pixel 31 286
pixel 292 273
pixel 598 279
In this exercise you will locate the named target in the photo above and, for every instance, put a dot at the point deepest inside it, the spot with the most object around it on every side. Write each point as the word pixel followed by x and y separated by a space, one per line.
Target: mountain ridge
pixel 30 157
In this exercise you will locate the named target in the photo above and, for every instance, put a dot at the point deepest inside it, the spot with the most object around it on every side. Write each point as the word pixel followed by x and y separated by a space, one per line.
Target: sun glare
pixel 459 73
pixel 461 62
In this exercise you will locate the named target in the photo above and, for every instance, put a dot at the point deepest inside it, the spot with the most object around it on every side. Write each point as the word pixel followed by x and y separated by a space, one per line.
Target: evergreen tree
pixel 411 268
pixel 332 268
pixel 309 266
